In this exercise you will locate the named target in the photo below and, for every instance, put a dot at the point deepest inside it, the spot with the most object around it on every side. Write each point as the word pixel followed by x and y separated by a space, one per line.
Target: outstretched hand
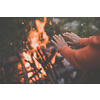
pixel 60 42
pixel 73 37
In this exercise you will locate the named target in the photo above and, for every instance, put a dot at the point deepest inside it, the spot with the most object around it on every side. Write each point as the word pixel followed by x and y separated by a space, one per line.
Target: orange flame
pixel 30 74
pixel 54 57
pixel 19 65
pixel 38 37
pixel 22 80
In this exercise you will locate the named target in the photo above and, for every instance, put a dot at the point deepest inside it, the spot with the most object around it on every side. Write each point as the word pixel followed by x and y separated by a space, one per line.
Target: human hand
pixel 60 42
pixel 73 37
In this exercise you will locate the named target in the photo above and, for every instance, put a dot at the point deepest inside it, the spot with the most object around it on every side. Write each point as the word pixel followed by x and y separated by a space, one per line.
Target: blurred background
pixel 14 30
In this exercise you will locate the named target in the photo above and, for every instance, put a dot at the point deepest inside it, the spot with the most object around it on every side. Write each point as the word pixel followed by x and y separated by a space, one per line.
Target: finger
pixel 56 39
pixel 54 43
pixel 68 36
pixel 62 42
pixel 61 38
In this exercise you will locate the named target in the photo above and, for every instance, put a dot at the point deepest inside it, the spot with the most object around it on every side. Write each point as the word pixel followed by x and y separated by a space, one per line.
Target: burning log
pixel 23 68
pixel 36 72
pixel 57 74
pixel 46 67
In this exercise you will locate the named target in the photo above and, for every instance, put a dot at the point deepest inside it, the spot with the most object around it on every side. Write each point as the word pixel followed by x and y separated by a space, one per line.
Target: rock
pixel 73 75
pixel 56 20
pixel 94 27
pixel 65 62
pixel 60 81
pixel 67 65
pixel 71 26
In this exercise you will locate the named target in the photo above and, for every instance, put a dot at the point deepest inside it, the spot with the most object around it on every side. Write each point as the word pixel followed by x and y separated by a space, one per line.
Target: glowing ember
pixel 22 22
pixel 54 31
pixel 10 43
pixel 82 35
pixel 41 71
pixel 27 64
pixel 29 69
pixel 40 75
pixel 25 30
pixel 22 80
pixel 66 27
pixel 33 79
pixel 70 46
pixel 36 77
pixel 23 41
pixel 50 22
pixel 30 81
pixel 30 74
pixel 27 56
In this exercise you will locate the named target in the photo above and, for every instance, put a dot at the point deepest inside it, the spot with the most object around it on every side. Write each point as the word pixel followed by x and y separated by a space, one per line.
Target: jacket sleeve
pixel 84 58
pixel 85 41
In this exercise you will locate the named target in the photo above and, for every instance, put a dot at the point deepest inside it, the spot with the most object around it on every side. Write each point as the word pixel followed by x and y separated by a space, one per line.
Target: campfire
pixel 36 63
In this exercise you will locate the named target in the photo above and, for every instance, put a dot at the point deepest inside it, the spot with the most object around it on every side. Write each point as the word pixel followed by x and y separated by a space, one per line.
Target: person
pixel 85 58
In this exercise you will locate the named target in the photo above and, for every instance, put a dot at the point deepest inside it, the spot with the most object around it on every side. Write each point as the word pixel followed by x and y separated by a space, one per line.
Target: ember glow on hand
pixel 60 42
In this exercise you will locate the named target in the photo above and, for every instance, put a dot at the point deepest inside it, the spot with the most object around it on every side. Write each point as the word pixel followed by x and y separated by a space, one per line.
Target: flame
pixel 54 57
pixel 30 81
pixel 27 56
pixel 38 37
pixel 30 74
pixel 33 79
pixel 22 80
pixel 27 64
pixel 19 65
